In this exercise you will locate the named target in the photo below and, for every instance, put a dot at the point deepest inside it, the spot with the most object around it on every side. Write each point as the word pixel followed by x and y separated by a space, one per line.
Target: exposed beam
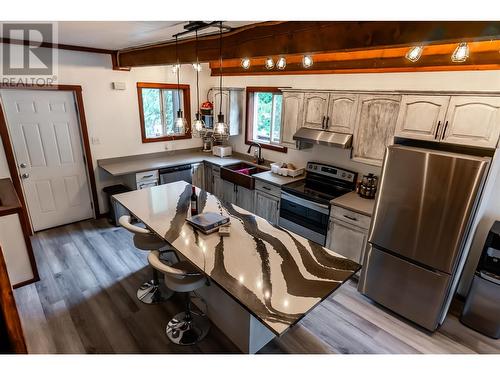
pixel 68 47
pixel 295 37
pixel 484 55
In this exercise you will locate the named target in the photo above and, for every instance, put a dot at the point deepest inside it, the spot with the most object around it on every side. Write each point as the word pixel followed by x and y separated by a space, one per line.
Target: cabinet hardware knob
pixel 444 130
pixel 437 129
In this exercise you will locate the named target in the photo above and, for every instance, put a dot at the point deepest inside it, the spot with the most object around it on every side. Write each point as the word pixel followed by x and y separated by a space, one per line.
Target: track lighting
pixel 245 63
pixel 307 61
pixel 414 53
pixel 461 53
pixel 269 63
pixel 281 63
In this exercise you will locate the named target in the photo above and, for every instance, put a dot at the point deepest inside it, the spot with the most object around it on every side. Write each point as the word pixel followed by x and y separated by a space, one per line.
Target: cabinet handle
pixel 148 176
pixel 265 187
pixel 350 218
pixel 444 130
pixel 437 129
pixel 323 122
pixel 327 120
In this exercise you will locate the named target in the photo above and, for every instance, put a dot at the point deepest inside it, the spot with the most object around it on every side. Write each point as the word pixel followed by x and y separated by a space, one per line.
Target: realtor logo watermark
pixel 26 60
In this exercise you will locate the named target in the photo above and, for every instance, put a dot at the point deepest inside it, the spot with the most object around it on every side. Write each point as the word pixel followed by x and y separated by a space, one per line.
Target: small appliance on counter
pixel 482 306
pixel 207 144
pixel 368 186
pixel 222 151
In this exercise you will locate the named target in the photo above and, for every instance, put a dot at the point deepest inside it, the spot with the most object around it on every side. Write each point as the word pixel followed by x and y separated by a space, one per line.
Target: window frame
pixel 186 107
pixel 250 91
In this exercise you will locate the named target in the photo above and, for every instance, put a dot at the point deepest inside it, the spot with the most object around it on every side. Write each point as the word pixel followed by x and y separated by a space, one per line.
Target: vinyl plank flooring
pixel 86 302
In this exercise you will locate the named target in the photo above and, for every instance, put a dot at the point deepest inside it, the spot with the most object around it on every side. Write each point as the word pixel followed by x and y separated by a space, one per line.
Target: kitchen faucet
pixel 258 159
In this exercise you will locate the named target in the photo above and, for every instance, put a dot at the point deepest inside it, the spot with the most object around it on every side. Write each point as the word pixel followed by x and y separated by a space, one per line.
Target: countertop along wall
pixel 113 115
pixel 423 81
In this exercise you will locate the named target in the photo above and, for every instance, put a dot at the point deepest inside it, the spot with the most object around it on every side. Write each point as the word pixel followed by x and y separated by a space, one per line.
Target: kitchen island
pixel 264 278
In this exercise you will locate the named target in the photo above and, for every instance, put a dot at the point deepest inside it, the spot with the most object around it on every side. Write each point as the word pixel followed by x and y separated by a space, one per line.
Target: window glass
pixel 267 117
pixel 160 108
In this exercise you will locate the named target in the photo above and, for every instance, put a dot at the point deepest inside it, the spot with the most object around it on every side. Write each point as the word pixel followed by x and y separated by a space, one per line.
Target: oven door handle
pixel 323 208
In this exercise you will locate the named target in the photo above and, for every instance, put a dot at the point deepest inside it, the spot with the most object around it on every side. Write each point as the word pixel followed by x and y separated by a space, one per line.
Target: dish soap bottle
pixel 194 202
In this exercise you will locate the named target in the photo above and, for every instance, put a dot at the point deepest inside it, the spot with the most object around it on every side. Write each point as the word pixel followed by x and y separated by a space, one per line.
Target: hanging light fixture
pixel 199 124
pixel 461 53
pixel 281 63
pixel 221 128
pixel 269 63
pixel 245 63
pixel 414 53
pixel 180 121
pixel 175 68
pixel 197 66
pixel 307 61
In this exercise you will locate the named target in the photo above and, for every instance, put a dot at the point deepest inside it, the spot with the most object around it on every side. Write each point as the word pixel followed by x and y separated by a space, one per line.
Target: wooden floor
pixel 85 303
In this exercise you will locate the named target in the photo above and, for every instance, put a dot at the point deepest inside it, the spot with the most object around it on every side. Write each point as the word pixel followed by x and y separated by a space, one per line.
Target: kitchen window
pixel 263 120
pixel 158 106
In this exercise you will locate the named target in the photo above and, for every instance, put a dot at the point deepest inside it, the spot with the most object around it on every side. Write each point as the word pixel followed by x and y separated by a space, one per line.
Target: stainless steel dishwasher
pixel 178 173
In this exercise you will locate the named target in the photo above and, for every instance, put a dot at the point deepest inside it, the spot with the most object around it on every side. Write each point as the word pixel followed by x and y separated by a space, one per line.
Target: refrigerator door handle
pixel 444 130
pixel 437 129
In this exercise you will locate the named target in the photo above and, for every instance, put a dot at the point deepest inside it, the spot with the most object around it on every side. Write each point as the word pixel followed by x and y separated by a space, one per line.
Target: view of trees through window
pixel 160 108
pixel 267 117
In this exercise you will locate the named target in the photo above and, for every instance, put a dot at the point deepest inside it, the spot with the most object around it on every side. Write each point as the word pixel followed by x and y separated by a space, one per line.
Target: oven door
pixel 304 217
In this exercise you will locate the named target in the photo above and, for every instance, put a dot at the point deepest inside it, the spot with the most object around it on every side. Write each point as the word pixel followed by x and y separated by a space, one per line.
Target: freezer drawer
pixel 411 291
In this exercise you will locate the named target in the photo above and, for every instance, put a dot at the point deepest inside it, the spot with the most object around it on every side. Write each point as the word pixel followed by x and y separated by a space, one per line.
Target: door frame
pixel 9 150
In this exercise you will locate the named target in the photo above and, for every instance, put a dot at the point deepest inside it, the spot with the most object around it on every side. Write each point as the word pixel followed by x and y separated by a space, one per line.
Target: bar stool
pixel 187 327
pixel 149 292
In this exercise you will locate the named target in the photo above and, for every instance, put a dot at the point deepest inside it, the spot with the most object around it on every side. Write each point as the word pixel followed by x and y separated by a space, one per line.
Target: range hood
pixel 321 137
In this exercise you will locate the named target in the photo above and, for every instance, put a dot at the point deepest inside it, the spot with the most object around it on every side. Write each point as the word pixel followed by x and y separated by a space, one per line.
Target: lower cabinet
pixel 197 175
pixel 216 182
pixel 267 206
pixel 238 195
pixel 208 176
pixel 348 237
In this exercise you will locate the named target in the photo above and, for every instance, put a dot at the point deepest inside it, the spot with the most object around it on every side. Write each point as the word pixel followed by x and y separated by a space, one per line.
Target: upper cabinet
pixel 460 120
pixel 334 112
pixel 315 109
pixel 421 116
pixel 232 107
pixel 341 113
pixel 292 113
pixel 472 121
pixel 374 127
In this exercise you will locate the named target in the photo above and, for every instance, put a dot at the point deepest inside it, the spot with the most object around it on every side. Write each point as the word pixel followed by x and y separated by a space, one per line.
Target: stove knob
pixel 343 174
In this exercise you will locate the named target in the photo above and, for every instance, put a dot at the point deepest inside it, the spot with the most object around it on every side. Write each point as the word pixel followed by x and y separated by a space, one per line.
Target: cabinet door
pixel 208 176
pixel 341 113
pixel 197 175
pixel 347 240
pixel 228 192
pixel 292 112
pixel 472 121
pixel 374 129
pixel 422 117
pixel 244 198
pixel 267 206
pixel 236 105
pixel 217 186
pixel 315 108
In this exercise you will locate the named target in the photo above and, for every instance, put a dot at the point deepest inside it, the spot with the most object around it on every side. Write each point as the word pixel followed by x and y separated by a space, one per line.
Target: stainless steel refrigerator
pixel 422 216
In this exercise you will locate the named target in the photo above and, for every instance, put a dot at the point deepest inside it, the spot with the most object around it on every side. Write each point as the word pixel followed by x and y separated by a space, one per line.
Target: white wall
pixel 113 116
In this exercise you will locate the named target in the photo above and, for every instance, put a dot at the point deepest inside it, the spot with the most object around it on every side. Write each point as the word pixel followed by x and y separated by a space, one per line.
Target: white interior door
pixel 47 143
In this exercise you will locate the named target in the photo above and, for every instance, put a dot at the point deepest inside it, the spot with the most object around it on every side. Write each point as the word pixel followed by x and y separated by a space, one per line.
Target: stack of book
pixel 208 222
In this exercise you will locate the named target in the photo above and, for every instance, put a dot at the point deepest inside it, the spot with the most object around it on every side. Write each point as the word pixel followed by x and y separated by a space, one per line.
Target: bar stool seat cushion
pixel 148 242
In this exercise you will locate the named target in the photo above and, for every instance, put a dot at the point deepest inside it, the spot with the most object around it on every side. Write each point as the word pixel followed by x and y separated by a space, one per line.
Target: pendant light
pixel 180 121
pixel 221 128
pixel 199 124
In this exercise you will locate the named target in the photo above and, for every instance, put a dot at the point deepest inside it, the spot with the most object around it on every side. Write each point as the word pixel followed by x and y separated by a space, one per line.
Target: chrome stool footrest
pixel 150 293
pixel 187 332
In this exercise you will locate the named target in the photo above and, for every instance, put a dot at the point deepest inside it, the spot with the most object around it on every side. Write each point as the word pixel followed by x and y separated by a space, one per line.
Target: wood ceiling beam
pixel 484 55
pixel 295 37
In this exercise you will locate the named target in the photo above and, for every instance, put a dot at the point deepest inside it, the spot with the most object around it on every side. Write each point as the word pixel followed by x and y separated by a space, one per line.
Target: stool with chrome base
pixel 149 292
pixel 187 327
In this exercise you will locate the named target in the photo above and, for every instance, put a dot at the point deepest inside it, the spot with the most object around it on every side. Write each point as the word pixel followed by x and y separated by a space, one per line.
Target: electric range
pixel 305 204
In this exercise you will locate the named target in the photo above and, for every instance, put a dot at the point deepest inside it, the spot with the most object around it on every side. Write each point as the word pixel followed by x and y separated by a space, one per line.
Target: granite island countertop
pixel 278 276
pixel 352 201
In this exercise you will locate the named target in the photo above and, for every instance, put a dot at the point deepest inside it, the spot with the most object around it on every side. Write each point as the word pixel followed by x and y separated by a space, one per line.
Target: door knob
pixel 25 175
pixel 22 165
